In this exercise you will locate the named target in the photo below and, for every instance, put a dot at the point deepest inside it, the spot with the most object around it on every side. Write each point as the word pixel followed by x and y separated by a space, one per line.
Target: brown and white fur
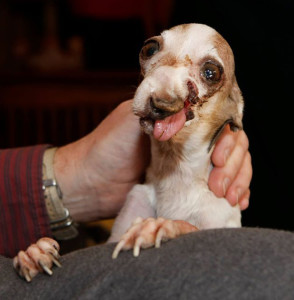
pixel 189 92
pixel 189 67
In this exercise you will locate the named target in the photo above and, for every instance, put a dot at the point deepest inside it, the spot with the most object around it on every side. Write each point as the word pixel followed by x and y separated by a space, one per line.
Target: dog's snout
pixel 161 108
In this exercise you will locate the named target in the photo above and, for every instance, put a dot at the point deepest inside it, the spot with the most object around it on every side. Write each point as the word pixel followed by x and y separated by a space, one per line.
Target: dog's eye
pixel 211 72
pixel 149 49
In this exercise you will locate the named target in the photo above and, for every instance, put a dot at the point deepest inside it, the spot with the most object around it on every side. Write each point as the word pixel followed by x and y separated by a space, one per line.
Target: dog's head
pixel 189 79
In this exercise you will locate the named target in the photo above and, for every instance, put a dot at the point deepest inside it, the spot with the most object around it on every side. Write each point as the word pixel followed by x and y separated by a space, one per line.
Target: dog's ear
pixel 237 98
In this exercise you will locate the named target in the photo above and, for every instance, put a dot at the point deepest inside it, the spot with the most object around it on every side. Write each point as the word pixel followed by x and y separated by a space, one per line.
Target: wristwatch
pixel 61 223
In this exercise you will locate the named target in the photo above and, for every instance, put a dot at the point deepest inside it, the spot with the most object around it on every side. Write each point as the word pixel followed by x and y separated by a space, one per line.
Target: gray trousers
pixel 247 263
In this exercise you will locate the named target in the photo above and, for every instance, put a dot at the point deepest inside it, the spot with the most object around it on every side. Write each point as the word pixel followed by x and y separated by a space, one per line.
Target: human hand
pixel 96 172
pixel 232 172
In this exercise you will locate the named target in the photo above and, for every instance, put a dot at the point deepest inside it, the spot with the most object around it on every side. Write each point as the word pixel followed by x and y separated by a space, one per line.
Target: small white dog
pixel 188 94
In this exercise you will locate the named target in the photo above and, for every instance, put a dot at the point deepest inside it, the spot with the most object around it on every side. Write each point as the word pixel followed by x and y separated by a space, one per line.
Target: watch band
pixel 61 223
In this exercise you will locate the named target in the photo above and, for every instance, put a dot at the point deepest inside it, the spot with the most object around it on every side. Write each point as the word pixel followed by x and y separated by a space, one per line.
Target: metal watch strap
pixel 62 225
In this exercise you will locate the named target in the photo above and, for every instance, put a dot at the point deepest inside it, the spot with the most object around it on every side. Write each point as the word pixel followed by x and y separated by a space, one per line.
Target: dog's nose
pixel 162 108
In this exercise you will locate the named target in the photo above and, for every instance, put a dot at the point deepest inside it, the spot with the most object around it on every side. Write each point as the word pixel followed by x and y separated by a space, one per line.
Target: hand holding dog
pixel 96 172
pixel 232 172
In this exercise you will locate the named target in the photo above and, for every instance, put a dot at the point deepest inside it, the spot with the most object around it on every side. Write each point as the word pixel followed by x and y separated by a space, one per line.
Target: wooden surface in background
pixel 58 108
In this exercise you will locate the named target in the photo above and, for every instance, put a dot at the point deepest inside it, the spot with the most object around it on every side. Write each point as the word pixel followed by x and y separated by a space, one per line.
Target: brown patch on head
pixel 168 60
pixel 172 61
pixel 226 54
pixel 188 61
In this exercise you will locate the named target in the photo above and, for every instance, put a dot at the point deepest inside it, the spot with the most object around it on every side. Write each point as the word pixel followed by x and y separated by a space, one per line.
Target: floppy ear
pixel 236 96
pixel 231 113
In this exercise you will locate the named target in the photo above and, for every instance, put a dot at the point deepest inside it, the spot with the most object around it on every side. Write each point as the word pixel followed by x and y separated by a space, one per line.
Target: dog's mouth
pixel 165 124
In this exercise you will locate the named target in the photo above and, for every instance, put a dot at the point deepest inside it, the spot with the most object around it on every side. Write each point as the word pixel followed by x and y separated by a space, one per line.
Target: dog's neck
pixel 185 154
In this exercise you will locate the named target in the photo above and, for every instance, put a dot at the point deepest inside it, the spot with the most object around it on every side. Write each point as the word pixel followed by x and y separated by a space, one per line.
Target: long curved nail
pixel 55 261
pixel 45 268
pixel 26 275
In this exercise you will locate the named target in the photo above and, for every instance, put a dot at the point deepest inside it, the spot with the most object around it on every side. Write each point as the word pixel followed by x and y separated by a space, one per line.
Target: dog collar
pixel 218 132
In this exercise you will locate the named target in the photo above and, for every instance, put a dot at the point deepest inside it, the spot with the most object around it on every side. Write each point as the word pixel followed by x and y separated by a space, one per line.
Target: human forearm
pixel 23 215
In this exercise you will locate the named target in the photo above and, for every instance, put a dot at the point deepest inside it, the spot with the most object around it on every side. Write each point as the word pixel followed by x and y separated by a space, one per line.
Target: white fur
pixel 176 181
pixel 184 193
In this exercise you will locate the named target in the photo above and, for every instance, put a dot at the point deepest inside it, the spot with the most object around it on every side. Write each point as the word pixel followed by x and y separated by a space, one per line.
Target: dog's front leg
pixel 137 226
pixel 146 233
pixel 37 258
pixel 138 204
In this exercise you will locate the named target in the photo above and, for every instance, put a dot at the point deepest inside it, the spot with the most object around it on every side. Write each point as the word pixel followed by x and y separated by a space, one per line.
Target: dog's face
pixel 188 79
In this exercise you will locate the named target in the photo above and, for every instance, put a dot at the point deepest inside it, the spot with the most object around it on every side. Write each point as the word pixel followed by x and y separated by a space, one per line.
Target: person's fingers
pixel 224 147
pixel 244 201
pixel 238 189
pixel 227 166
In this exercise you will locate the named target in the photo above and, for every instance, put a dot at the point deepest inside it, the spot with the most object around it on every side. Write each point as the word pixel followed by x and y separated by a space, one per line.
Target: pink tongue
pixel 165 129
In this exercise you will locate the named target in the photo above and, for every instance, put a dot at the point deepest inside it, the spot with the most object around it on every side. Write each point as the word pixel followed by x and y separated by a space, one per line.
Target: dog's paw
pixel 145 233
pixel 38 258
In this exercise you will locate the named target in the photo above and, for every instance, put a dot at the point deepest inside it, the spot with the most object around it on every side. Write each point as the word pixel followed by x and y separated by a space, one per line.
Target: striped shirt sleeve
pixel 23 215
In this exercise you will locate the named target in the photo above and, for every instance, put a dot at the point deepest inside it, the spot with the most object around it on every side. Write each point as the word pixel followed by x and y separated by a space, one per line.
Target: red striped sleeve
pixel 23 215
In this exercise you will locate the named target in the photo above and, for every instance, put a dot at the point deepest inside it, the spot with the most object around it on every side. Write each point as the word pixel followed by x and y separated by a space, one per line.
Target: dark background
pixel 259 32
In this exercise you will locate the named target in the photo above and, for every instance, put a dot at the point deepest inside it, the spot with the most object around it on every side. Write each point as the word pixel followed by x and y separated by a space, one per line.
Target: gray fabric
pixel 246 263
